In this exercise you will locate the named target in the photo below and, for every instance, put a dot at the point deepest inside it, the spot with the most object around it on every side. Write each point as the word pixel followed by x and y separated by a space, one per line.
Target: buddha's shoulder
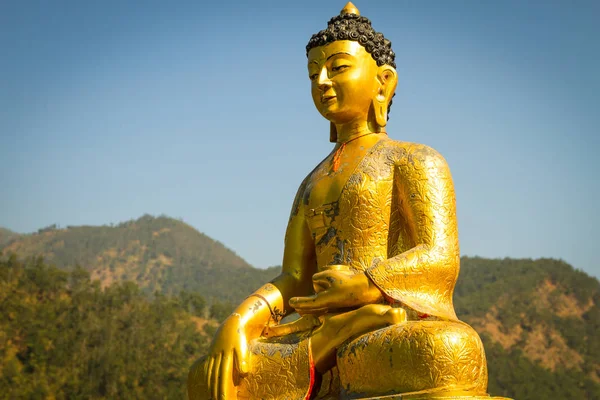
pixel 412 153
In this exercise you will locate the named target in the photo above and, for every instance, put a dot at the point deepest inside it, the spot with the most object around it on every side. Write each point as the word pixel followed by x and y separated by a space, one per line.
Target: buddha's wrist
pixel 374 291
pixel 258 311
pixel 243 322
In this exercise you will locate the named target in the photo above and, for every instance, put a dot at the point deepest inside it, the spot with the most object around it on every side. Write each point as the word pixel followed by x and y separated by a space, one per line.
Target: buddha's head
pixel 352 72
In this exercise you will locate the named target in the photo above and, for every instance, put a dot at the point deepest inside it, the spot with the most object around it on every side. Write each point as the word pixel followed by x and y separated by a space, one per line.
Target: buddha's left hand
pixel 337 288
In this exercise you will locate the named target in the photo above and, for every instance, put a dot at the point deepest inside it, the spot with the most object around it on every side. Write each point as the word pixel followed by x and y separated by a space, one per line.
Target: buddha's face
pixel 343 81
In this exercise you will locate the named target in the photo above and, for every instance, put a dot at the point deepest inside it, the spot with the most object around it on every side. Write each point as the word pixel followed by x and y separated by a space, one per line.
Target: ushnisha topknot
pixel 350 25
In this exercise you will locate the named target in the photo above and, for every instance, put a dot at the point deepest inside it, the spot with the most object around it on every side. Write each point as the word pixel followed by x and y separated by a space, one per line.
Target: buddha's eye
pixel 338 68
pixel 313 77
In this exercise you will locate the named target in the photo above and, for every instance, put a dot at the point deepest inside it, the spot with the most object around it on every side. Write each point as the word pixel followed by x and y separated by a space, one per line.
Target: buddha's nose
pixel 323 81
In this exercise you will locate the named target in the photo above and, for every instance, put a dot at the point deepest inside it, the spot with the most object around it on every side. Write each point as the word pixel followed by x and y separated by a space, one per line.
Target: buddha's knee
pixel 197 382
pixel 428 356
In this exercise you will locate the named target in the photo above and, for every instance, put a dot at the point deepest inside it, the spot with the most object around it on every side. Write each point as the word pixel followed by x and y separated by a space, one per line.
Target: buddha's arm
pixel 268 303
pixel 299 260
pixel 423 276
pixel 298 267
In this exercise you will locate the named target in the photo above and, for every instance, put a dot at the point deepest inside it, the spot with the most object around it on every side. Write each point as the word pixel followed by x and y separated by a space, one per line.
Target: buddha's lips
pixel 325 99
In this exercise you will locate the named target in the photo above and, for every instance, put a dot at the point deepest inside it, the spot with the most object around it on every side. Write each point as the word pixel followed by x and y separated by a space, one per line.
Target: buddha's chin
pixel 333 114
pixel 329 110
pixel 337 117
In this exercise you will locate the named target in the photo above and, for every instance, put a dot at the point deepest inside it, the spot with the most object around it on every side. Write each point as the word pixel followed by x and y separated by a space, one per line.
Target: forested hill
pixel 159 254
pixel 540 323
pixel 63 337
pixel 6 236
pixel 91 333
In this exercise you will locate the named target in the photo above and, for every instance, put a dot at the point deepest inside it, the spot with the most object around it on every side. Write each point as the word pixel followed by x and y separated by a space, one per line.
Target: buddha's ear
pixel 388 79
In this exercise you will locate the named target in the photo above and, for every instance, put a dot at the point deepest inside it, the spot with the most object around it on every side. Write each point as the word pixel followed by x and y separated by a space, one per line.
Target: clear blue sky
pixel 113 109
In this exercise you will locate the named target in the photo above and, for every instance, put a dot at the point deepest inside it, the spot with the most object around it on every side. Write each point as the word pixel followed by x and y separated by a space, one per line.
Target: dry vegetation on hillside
pixel 150 292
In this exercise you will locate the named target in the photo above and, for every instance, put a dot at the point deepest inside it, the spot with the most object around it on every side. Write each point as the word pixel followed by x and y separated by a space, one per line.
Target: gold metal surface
pixel 370 262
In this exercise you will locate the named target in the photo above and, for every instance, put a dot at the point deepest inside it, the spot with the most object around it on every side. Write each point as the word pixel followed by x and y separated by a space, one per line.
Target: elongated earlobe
pixel 372 118
pixel 380 108
pixel 388 79
pixel 378 112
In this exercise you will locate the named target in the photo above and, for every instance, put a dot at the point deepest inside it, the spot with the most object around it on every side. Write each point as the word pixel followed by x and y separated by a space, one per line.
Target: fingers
pixel 396 315
pixel 214 384
pixel 340 271
pixel 209 372
pixel 303 324
pixel 324 274
pixel 332 278
pixel 281 330
pixel 225 387
pixel 241 358
pixel 320 281
pixel 326 278
pixel 321 285
pixel 302 302
pixel 316 304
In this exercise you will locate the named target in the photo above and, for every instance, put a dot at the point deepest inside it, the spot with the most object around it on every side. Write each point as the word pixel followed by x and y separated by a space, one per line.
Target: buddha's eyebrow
pixel 338 53
pixel 333 55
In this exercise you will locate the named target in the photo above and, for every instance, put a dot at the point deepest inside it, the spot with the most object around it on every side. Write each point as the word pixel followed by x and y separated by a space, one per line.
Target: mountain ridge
pixel 537 318
pixel 159 253
pixel 7 236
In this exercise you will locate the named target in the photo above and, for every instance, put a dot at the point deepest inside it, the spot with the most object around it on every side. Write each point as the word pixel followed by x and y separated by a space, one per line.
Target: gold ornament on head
pixel 350 9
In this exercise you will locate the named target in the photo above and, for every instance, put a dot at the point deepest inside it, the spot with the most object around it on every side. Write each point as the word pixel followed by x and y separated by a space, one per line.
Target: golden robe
pixel 395 220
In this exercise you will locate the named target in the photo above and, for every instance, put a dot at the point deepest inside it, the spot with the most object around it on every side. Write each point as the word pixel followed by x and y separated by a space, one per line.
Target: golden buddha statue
pixel 370 261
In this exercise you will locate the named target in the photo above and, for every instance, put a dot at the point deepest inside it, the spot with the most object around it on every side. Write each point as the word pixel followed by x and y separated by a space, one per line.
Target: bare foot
pixel 338 328
pixel 302 324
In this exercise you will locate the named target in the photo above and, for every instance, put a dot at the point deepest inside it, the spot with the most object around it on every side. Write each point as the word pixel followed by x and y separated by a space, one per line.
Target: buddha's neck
pixel 353 130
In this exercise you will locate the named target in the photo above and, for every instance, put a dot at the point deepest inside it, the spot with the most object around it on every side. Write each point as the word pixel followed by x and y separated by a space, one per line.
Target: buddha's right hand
pixel 229 350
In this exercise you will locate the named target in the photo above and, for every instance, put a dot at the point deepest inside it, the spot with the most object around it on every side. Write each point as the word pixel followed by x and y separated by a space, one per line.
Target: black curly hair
pixel 357 28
